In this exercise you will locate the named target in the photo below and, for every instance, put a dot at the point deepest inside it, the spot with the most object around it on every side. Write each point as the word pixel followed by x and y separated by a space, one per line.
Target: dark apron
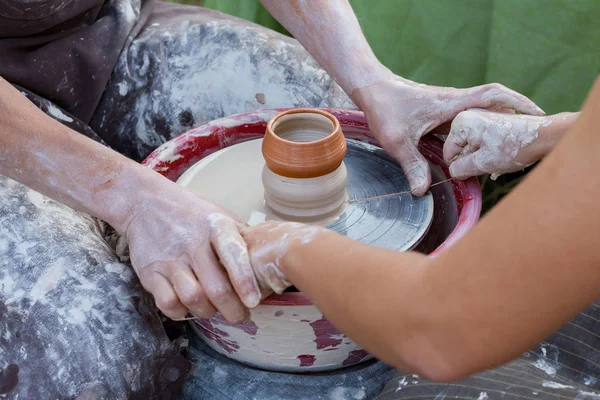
pixel 65 50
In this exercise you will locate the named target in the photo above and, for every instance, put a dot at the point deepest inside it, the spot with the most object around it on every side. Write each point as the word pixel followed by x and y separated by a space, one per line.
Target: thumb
pixel 454 145
pixel 414 165
pixel 466 166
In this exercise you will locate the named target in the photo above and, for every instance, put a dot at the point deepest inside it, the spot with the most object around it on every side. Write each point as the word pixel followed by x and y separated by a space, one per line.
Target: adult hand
pixel 173 234
pixel 190 255
pixel 268 243
pixel 485 142
pixel 400 112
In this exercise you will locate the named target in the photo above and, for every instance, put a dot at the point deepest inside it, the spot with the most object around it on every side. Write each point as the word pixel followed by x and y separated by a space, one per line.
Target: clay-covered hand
pixel 400 112
pixel 190 255
pixel 486 142
pixel 268 244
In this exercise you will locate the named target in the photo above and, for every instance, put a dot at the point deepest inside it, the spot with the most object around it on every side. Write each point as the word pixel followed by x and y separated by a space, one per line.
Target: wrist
pixel 551 130
pixel 118 198
pixel 362 88
pixel 381 93
pixel 300 248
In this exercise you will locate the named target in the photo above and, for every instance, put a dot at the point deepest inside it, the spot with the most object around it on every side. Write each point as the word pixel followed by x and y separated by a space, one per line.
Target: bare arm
pixel 51 159
pixel 171 231
pixel 330 32
pixel 526 269
pixel 399 111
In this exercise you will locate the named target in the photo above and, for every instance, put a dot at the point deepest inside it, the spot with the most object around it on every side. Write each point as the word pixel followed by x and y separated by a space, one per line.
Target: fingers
pixel 494 95
pixel 415 166
pixel 265 252
pixel 233 253
pixel 217 286
pixel 189 291
pixel 454 145
pixel 462 145
pixel 466 167
pixel 465 135
pixel 164 295
pixel 177 290
pixel 275 278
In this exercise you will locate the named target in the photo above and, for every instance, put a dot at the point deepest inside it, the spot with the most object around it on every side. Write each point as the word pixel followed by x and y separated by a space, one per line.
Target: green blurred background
pixel 548 50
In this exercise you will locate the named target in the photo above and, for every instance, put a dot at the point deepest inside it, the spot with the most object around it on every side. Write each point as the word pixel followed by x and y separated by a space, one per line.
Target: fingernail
pixel 454 173
pixel 452 170
pixel 540 111
pixel 418 188
pixel 252 300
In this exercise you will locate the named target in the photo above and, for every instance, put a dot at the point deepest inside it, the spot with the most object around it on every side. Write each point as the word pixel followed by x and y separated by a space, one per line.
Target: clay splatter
pixel 326 334
pixel 307 360
pixel 250 327
pixel 355 357
pixel 218 336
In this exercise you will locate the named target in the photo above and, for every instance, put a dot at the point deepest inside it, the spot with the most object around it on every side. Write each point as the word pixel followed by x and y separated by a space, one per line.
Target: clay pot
pixel 303 143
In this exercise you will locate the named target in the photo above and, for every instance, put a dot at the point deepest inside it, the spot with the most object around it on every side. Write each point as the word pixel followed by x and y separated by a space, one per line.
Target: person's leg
pixel 566 366
pixel 73 319
pixel 191 65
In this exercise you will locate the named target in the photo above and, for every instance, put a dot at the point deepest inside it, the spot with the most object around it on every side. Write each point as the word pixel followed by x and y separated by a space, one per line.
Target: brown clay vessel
pixel 303 143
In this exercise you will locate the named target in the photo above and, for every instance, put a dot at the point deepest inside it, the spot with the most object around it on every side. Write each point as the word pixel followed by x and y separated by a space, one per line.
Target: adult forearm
pixel 330 31
pixel 62 164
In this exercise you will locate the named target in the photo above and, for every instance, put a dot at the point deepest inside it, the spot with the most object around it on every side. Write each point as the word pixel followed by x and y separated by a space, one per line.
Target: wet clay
pixel 307 199
pixel 304 175
pixel 234 177
pixel 304 143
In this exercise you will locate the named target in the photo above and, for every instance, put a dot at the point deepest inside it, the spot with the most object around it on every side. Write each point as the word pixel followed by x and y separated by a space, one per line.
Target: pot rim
pixel 329 116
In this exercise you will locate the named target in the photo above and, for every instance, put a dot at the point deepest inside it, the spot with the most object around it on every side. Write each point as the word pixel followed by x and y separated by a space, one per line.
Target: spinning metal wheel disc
pixel 232 178
pixel 397 222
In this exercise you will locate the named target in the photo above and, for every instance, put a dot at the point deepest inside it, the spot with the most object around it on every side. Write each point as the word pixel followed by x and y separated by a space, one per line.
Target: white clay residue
pixel 588 381
pixel 123 88
pixel 582 394
pixel 346 393
pixel 58 114
pixel 555 385
pixel 256 217
pixel 498 138
pixel 544 364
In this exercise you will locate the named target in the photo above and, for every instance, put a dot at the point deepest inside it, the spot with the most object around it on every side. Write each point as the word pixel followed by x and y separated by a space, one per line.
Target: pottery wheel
pixel 232 178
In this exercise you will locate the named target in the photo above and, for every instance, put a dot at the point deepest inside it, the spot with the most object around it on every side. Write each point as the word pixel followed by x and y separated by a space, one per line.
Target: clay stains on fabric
pixel 186 71
pixel 69 308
